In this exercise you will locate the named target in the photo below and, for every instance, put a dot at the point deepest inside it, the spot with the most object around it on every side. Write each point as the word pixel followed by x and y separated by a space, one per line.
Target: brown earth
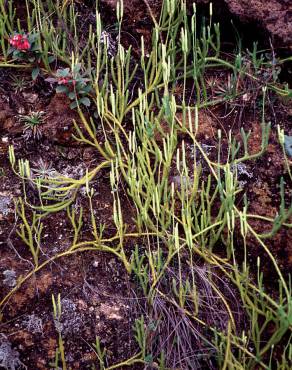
pixel 273 16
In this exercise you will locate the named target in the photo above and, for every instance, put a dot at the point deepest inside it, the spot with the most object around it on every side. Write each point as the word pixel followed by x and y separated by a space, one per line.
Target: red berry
pixel 25 45
pixel 20 42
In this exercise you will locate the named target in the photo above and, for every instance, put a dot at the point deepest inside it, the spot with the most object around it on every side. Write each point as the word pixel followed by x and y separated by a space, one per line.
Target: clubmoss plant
pixel 192 224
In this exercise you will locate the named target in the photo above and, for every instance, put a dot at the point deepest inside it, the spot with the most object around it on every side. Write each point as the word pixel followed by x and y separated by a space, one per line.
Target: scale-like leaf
pixel 85 101
pixel 35 72
pixel 288 145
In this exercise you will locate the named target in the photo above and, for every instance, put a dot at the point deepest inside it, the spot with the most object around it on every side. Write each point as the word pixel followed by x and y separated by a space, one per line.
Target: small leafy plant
pixel 25 47
pixel 32 121
pixel 74 84
pixel 19 84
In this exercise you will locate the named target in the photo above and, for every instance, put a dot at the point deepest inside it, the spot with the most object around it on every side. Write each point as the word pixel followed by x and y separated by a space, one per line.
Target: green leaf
pixel 51 59
pixel 16 54
pixel 35 48
pixel 35 72
pixel 61 89
pixel 72 95
pixel 32 37
pixel 85 101
pixel 63 72
pixel 87 88
pixel 288 145
pixel 78 85
pixel 148 359
pixel 73 104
